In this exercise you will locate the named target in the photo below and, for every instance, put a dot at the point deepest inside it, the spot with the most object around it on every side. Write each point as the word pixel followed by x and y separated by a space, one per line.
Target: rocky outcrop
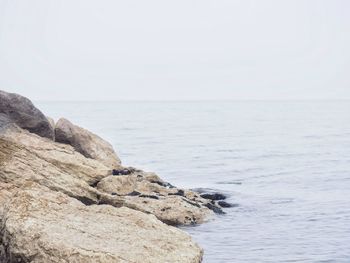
pixel 70 200
pixel 26 157
pixel 21 111
pixel 39 226
pixel 146 192
pixel 88 144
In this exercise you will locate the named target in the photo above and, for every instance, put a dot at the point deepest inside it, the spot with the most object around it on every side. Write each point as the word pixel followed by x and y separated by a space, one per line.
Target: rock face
pixel 26 157
pixel 21 111
pixel 88 144
pixel 40 226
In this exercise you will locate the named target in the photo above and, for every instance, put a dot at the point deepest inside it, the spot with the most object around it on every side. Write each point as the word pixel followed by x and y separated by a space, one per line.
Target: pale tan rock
pixel 87 143
pixel 145 192
pixel 42 226
pixel 52 122
pixel 25 157
pixel 121 185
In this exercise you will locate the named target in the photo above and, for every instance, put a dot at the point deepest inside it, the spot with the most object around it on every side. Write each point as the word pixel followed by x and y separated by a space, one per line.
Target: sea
pixel 284 164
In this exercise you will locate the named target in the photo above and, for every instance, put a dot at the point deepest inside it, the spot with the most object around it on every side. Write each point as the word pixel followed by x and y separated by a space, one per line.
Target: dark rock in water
pixel 121 172
pixel 226 205
pixel 164 184
pixel 134 193
pixel 22 112
pixel 215 209
pixel 179 192
pixel 213 196
pixel 149 196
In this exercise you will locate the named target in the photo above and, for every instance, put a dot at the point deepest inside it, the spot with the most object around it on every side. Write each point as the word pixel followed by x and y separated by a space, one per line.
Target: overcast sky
pixel 175 50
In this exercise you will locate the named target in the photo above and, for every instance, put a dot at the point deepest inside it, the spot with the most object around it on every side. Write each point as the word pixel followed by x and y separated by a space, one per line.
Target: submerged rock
pixel 40 225
pixel 22 112
pixel 226 205
pixel 87 143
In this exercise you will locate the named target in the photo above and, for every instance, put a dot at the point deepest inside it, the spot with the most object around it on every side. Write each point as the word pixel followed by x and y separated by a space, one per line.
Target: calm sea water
pixel 287 165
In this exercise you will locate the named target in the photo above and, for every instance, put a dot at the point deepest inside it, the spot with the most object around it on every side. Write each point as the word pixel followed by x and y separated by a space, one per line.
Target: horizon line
pixel 193 100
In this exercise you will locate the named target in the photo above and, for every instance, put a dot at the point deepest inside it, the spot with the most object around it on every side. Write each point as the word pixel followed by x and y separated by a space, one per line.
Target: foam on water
pixel 287 165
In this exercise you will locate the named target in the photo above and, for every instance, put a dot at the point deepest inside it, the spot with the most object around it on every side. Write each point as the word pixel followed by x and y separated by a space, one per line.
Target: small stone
pixel 213 196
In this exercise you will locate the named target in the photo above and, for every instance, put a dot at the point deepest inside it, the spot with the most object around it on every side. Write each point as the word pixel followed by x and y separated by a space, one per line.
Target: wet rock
pixel 226 205
pixel 21 111
pixel 215 209
pixel 213 196
pixel 87 143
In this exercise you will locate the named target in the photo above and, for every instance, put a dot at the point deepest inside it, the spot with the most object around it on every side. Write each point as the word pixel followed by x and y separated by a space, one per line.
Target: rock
pixel 26 157
pixel 22 112
pixel 121 171
pixel 226 205
pixel 87 143
pixel 39 225
pixel 215 209
pixel 142 191
pixel 122 185
pixel 213 196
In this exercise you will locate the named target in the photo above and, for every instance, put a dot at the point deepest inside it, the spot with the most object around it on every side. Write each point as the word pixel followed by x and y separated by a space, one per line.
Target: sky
pixel 175 50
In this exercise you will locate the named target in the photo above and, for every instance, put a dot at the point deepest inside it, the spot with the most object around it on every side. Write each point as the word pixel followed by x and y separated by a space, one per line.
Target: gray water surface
pixel 286 164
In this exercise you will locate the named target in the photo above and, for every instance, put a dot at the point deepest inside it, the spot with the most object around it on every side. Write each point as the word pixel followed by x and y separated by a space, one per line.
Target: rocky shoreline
pixel 66 197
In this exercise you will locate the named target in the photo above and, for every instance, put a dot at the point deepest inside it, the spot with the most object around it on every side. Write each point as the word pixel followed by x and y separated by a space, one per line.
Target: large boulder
pixel 22 112
pixel 88 144
pixel 26 157
pixel 43 226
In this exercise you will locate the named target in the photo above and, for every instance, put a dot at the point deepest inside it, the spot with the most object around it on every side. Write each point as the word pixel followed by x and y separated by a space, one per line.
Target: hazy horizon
pixel 175 51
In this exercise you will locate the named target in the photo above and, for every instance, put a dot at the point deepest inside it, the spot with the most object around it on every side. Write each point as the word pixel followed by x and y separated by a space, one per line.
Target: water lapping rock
pixel 71 200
